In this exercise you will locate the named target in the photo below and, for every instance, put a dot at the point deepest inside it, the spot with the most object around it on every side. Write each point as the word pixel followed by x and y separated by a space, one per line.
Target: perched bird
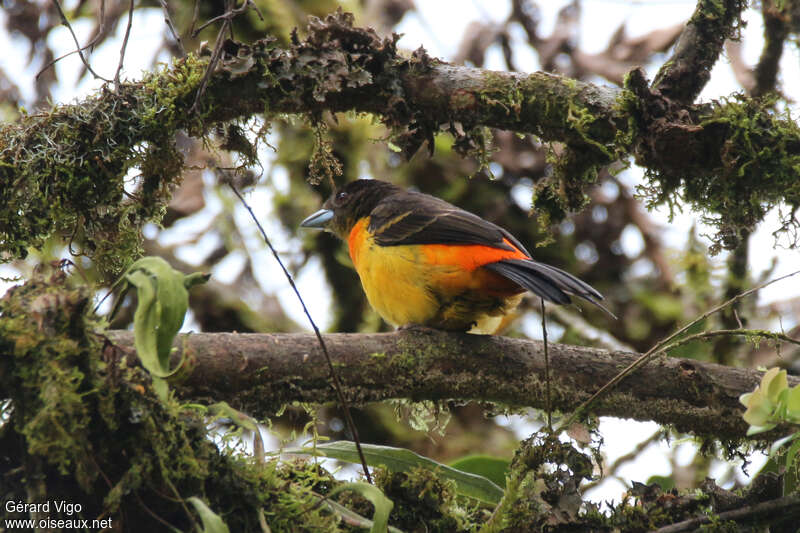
pixel 423 261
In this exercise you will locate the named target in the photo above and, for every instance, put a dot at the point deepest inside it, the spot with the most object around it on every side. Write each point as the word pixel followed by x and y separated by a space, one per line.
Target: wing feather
pixel 548 282
pixel 416 218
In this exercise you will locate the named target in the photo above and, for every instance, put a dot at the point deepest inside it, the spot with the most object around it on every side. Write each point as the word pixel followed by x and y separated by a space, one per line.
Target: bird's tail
pixel 548 282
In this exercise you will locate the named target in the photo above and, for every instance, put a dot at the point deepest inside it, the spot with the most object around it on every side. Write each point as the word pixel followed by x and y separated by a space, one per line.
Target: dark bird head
pixel 348 205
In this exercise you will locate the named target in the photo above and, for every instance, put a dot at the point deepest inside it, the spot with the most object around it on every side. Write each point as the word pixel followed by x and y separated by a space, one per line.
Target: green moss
pixel 64 172
pixel 569 117
pixel 422 501
pixel 758 164
pixel 87 427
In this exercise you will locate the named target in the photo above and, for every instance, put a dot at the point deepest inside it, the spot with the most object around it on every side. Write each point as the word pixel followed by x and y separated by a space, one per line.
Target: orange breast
pixel 356 241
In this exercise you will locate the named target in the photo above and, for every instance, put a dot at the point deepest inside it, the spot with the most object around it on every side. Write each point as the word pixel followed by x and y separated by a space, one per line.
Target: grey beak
pixel 318 219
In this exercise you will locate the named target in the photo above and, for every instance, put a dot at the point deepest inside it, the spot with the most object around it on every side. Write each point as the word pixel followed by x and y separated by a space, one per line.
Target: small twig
pixel 171 26
pixel 178 497
pixel 90 44
pixel 124 46
pixel 660 347
pixel 579 326
pixel 79 50
pixel 227 24
pixel 776 30
pixel 223 17
pixel 726 332
pixel 547 400
pixel 337 385
pixel 102 29
pixel 229 15
pixel 774 509
pixel 194 18
pixel 212 65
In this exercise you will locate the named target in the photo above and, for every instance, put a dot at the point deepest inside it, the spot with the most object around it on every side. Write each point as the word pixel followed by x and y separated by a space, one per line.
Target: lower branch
pixel 261 372
pixel 781 510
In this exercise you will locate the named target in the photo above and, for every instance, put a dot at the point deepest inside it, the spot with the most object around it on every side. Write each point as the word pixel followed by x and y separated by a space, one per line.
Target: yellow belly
pixel 405 287
pixel 394 286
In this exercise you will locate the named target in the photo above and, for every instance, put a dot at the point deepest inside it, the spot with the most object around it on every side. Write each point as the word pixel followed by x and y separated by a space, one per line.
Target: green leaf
pixel 780 443
pixel 402 460
pixel 493 468
pixel 759 409
pixel 383 505
pixel 212 523
pixel 352 518
pixel 793 404
pixel 773 382
pixel 744 399
pixel 785 462
pixel 791 477
pixel 755 430
pixel 145 321
pixel 223 410
pixel 163 300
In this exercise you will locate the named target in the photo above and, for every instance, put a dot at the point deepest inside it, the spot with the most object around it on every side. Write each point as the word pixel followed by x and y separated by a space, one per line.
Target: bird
pixel 425 262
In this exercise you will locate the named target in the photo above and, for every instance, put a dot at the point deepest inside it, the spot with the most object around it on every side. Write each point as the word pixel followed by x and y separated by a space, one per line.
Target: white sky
pixel 438 26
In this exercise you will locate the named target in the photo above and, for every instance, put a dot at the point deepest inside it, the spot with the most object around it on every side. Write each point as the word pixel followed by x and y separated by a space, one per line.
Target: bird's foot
pixel 417 328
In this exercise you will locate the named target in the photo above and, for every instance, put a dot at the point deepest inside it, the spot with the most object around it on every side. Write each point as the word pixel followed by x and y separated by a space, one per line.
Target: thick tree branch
pixel 261 372
pixel 65 170
pixel 685 74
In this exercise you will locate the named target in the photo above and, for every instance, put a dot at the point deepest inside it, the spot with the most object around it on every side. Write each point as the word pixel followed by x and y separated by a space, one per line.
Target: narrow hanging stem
pixel 548 404
pixel 336 384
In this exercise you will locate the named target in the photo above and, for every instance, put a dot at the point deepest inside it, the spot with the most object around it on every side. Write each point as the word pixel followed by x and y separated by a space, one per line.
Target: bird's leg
pixel 419 328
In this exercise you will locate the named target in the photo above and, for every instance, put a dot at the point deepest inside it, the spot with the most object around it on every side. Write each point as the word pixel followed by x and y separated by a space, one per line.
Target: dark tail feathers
pixel 548 282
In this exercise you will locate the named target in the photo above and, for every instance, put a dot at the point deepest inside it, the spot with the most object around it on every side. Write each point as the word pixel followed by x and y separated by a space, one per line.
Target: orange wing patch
pixel 468 256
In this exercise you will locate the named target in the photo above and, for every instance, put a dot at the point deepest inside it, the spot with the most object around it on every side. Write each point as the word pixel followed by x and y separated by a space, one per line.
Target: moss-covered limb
pixel 261 372
pixel 549 106
pixel 685 74
pixel 86 428
pixel 732 160
pixel 65 171
pixel 776 30
pixel 780 512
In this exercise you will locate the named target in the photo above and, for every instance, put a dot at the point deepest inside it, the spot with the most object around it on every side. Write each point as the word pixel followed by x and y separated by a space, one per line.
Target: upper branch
pixel 261 372
pixel 66 170
pixel 685 74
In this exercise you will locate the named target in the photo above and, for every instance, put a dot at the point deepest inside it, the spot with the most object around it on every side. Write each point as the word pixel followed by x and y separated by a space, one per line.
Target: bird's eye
pixel 341 197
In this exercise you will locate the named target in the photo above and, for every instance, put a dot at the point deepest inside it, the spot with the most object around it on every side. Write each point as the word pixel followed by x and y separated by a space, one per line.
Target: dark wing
pixel 548 282
pixel 416 218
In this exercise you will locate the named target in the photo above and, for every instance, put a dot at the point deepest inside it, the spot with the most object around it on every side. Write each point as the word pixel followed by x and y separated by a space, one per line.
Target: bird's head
pixel 348 205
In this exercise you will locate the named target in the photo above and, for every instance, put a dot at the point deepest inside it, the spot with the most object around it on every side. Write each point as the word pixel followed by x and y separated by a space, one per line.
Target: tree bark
pixel 258 373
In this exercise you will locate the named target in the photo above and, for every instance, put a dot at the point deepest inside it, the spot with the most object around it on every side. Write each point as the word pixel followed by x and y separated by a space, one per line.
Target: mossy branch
pixel 68 170
pixel 261 372
pixel 685 74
